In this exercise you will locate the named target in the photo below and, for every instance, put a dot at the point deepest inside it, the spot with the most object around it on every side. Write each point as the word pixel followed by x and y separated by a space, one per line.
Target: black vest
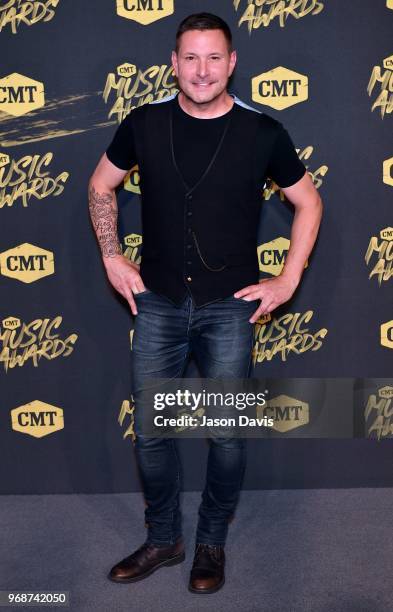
pixel 202 237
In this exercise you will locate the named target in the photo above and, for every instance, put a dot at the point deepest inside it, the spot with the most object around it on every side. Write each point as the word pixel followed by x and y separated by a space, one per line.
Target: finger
pixel 137 285
pixel 268 307
pixel 251 297
pixel 256 315
pixel 132 304
pixel 245 291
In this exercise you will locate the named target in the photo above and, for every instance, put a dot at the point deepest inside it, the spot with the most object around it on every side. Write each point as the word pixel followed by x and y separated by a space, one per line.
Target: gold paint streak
pixel 57 134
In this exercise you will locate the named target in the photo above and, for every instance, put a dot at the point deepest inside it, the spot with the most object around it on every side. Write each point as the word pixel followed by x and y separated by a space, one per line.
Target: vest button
pixel 189 279
pixel 189 213
pixel 189 197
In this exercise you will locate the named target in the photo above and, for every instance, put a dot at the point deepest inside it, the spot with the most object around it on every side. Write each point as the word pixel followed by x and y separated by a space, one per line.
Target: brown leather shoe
pixel 146 560
pixel 207 574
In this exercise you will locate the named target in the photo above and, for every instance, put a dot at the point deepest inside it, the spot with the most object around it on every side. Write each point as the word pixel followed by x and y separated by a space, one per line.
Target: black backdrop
pixel 64 422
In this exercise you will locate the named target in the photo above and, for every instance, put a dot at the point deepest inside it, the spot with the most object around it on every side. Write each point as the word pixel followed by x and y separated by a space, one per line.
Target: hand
pixel 124 276
pixel 271 291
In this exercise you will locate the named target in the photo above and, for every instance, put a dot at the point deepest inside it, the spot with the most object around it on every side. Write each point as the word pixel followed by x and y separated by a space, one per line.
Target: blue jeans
pixel 220 338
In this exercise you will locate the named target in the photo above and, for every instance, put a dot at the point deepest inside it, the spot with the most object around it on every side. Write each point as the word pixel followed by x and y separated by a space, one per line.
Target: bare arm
pixel 122 273
pixel 308 213
pixel 305 226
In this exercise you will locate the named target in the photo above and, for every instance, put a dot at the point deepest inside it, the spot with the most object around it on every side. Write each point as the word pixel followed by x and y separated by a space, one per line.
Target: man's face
pixel 203 64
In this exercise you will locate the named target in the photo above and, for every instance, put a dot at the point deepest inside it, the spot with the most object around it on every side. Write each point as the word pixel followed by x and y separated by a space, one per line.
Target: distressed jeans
pixel 220 338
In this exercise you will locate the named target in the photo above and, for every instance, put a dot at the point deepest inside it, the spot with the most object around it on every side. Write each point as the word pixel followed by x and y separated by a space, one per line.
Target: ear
pixel 232 62
pixel 174 62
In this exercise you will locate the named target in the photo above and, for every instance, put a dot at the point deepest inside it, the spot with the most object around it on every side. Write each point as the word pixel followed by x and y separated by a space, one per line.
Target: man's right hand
pixel 124 276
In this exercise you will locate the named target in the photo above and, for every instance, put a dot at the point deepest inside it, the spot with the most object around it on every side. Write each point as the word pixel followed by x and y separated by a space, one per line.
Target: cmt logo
pixel 132 251
pixel 133 240
pixel 20 95
pixel 387 172
pixel 387 234
pixel 387 334
pixel 37 419
pixel 11 323
pixel 126 70
pixel 271 255
pixel 279 88
pixel 386 392
pixel 287 413
pixel 389 4
pixel 388 62
pixel 144 11
pixel 27 263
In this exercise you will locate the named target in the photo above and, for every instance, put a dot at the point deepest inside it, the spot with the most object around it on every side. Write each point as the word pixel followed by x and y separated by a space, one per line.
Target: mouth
pixel 202 84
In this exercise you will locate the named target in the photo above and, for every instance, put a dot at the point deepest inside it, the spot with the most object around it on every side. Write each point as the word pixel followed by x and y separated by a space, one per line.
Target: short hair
pixel 204 21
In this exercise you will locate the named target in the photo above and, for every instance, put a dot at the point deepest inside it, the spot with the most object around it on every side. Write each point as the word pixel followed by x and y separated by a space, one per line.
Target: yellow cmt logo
pixel 144 11
pixel 286 412
pixel 133 240
pixel 388 62
pixel 389 4
pixel 126 70
pixel 11 323
pixel 387 172
pixel 20 94
pixel 37 419
pixel 271 255
pixel 26 263
pixel 279 88
pixel 386 234
pixel 386 392
pixel 387 334
pixel 132 251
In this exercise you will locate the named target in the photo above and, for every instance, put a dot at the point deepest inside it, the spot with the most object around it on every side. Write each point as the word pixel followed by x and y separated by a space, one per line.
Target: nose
pixel 202 68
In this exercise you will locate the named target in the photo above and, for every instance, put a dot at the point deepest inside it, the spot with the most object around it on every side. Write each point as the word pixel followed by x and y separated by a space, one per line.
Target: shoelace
pixel 211 549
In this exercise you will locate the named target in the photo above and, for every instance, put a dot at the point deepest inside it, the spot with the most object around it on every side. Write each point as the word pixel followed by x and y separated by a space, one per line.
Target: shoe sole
pixel 168 562
pixel 207 591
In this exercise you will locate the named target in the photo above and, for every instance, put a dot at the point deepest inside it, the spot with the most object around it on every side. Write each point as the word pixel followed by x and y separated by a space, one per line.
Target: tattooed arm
pixel 122 273
pixel 103 214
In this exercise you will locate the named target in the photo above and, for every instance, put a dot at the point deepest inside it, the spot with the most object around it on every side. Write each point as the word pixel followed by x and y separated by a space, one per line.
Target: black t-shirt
pixel 195 141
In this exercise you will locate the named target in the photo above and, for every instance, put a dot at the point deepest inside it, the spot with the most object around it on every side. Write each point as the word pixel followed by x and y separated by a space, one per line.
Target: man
pixel 203 158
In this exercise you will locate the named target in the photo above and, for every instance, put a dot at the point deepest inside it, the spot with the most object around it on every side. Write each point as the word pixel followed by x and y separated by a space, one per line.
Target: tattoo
pixel 103 213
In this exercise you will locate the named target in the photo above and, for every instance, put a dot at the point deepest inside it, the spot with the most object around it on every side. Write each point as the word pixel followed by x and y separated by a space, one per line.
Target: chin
pixel 201 97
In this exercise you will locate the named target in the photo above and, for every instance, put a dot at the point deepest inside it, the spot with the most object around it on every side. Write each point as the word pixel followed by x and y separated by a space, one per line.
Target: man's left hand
pixel 271 291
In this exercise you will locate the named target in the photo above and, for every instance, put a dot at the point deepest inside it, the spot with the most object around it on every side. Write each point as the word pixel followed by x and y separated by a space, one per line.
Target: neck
pixel 206 110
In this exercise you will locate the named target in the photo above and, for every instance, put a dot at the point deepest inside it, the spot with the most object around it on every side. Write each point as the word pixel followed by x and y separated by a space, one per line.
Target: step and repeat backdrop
pixel 70 71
